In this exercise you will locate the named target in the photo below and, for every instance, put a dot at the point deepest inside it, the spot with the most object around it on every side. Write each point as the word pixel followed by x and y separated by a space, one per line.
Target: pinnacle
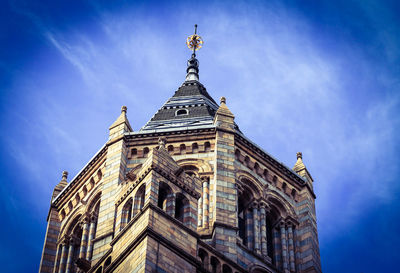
pixel 122 119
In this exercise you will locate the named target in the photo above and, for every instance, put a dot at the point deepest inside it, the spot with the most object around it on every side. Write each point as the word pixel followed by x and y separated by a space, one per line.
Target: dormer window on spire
pixel 182 112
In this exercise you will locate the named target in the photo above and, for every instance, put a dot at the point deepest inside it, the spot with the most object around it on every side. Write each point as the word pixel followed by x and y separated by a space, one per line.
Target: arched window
pixel 265 174
pixel 182 148
pixel 79 246
pixel 170 149
pixel 247 161
pixel 84 190
pixel 293 193
pixel 203 255
pixel 76 241
pixel 99 175
pixel 237 154
pixel 275 180
pixel 226 269
pixel 58 258
pixel 195 147
pixel 70 206
pixel 284 187
pixel 182 112
pixel 146 151
pixel 166 200
pixel 107 262
pixel 181 207
pixel 93 209
pixel 62 214
pixel 139 199
pixel 126 213
pixel 215 265
pixel 99 270
pixel 257 168
pixel 91 182
pixel 77 198
pixel 73 242
pixel 244 215
pixel 134 153
pixel 207 146
pixel 273 231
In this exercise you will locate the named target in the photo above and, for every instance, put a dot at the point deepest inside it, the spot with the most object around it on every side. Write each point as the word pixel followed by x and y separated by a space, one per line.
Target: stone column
pixel 277 242
pixel 84 240
pixel 70 256
pixel 284 247
pixel 92 231
pixel 263 232
pixel 256 228
pixel 291 248
pixel 57 260
pixel 170 206
pixel 200 212
pixel 249 228
pixel 206 191
pixel 64 254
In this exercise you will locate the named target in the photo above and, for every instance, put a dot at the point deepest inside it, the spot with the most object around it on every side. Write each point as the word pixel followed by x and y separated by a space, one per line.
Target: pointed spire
pixel 121 125
pixel 61 185
pixel 194 42
pixel 300 168
pixel 223 109
pixel 224 117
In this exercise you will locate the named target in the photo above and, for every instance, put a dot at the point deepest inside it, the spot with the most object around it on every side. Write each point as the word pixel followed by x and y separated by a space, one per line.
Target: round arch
pixel 200 164
pixel 280 203
pixel 256 268
pixel 93 200
pixel 245 178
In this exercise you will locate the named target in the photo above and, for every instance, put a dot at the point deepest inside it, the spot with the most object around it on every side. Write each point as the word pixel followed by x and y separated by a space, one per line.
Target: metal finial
pixel 194 42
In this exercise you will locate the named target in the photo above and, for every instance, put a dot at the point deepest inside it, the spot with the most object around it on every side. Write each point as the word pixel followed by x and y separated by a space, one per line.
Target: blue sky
pixel 320 77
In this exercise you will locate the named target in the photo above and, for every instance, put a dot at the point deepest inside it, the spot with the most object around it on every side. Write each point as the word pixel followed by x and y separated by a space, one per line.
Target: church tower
pixel 188 192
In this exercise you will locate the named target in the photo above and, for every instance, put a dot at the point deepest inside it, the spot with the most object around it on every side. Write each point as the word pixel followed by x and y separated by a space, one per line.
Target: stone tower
pixel 188 192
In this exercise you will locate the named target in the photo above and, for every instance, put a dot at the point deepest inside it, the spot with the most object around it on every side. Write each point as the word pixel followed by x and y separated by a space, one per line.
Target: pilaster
pixel 115 169
pixel 224 191
pixel 49 252
pixel 307 253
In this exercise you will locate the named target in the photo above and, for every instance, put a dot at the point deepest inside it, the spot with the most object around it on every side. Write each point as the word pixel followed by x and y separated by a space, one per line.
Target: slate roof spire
pixel 191 105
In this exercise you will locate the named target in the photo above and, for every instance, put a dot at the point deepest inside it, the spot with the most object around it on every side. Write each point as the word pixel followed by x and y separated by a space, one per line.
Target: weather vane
pixel 194 42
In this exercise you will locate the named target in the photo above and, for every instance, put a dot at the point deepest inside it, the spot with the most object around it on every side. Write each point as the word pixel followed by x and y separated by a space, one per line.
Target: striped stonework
pixel 188 192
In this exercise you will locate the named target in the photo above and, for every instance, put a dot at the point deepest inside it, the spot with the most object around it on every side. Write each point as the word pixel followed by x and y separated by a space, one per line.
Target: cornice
pixel 80 174
pixel 270 159
pixel 183 131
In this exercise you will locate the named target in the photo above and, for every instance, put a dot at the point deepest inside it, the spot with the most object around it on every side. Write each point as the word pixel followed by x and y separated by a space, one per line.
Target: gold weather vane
pixel 194 42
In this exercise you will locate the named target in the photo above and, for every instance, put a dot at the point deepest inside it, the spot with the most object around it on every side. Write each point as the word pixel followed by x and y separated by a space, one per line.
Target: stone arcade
pixel 188 192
